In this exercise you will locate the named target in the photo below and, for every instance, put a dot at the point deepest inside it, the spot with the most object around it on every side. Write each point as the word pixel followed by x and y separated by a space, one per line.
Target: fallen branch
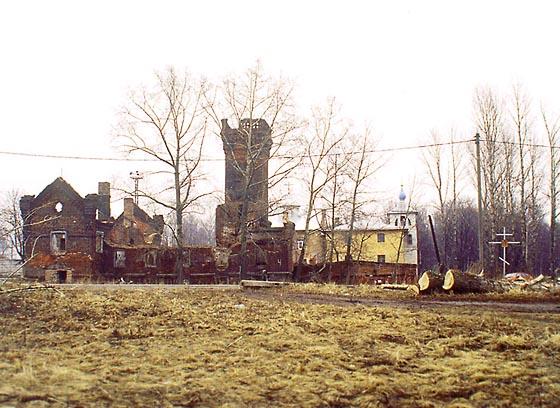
pixel 398 286
pixel 261 284
pixel 43 287
pixel 16 270
pixel 233 342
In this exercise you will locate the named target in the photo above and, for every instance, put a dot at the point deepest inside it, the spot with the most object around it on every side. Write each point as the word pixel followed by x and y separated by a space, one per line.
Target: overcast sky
pixel 406 67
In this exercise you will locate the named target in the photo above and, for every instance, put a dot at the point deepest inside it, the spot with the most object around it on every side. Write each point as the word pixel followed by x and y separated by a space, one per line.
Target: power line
pixel 211 159
pixel 520 144
pixel 125 159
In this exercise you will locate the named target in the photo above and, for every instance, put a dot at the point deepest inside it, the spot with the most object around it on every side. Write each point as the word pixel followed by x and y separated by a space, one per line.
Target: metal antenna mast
pixel 136 176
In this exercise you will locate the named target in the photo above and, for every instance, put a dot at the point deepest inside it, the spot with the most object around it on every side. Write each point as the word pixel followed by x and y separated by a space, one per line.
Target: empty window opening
pixel 300 244
pixel 150 259
pixel 58 242
pixel 381 258
pixel 99 242
pixel 58 207
pixel 409 240
pixel 186 259
pixel 261 258
pixel 120 258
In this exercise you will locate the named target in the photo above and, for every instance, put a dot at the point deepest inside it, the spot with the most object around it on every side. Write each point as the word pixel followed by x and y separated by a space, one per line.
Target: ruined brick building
pixel 71 238
pixel 64 232
pixel 269 249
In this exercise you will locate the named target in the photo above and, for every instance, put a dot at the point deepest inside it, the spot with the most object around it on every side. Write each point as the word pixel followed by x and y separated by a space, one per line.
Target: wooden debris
pixel 397 286
pixel 261 284
pixel 30 288
pixel 541 282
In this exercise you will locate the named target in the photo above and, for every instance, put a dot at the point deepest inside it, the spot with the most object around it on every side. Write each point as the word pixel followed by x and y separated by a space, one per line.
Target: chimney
pixel 104 203
pixel 90 205
pixel 25 206
pixel 225 124
pixel 159 224
pixel 128 211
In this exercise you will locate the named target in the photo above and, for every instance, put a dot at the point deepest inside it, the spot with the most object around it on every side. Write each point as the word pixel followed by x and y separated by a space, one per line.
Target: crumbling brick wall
pixel 269 249
pixel 60 231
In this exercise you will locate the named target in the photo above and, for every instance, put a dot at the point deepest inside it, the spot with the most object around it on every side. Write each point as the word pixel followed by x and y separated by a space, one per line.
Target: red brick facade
pixel 60 232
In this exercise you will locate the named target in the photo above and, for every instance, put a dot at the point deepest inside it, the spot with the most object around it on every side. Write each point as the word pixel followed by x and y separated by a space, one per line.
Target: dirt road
pixel 286 295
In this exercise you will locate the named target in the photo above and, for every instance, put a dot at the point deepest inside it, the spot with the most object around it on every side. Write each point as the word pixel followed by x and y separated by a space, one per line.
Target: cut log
pixel 460 282
pixel 430 281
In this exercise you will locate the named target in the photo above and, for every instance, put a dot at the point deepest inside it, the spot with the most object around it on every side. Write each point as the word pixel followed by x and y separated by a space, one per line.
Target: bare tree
pixel 444 167
pixel 552 128
pixel 167 124
pixel 360 168
pixel 11 225
pixel 403 232
pixel 496 161
pixel 535 210
pixel 434 162
pixel 522 125
pixel 333 196
pixel 327 132
pixel 252 100
pixel 199 229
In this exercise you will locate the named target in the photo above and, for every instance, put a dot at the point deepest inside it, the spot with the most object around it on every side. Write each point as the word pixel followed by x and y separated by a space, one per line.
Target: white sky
pixel 403 66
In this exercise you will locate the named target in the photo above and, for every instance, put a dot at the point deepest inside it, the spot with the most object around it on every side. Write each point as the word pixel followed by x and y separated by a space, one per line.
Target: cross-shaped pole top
pixel 504 243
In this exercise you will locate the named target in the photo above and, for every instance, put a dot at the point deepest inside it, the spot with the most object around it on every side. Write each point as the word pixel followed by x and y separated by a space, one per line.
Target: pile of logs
pixel 462 282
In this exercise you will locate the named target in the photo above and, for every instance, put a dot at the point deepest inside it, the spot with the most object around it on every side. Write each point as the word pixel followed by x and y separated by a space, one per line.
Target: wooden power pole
pixel 480 215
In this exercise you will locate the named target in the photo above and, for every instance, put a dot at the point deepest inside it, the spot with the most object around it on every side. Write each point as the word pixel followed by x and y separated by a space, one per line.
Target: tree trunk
pixel 460 282
pixel 430 281
pixel 179 233
pixel 243 240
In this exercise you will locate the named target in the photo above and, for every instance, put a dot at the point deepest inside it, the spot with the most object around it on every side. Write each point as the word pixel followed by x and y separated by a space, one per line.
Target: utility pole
pixel 480 215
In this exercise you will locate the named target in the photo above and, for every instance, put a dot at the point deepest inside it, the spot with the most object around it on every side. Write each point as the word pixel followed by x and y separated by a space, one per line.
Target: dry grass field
pixel 161 347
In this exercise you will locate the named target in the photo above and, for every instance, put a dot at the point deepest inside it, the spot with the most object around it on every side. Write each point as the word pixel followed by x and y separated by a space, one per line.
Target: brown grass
pixel 372 291
pixel 200 348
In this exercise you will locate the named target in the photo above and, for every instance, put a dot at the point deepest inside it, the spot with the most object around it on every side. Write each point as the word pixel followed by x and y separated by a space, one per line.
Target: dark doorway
pixel 61 275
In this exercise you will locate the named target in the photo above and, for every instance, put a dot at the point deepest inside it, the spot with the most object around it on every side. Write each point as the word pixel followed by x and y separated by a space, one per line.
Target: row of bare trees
pixel 170 123
pixel 175 123
pixel 339 165
pixel 519 172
